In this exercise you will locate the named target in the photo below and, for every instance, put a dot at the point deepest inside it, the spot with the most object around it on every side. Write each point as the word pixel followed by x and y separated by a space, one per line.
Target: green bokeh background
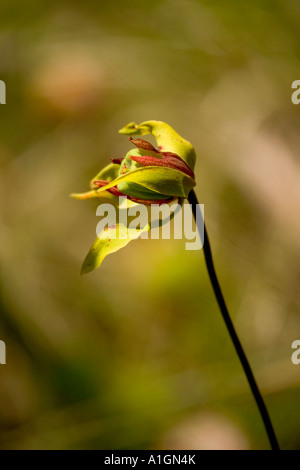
pixel 135 355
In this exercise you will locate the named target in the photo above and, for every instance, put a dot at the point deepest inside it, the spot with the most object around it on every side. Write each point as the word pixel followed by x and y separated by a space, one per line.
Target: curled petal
pixel 169 161
pixel 114 190
pixel 118 161
pixel 175 161
pixel 166 137
pixel 158 181
pixel 143 144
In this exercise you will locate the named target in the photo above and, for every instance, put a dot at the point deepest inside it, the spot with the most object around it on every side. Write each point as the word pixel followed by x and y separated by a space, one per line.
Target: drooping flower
pixel 146 175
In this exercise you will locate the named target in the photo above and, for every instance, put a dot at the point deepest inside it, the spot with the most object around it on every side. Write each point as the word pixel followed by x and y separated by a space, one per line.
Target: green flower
pixel 145 175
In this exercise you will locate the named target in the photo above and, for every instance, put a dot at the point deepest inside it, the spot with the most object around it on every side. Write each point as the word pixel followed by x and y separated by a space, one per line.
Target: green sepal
pixel 166 137
pixel 165 181
pixel 105 246
pixel 108 173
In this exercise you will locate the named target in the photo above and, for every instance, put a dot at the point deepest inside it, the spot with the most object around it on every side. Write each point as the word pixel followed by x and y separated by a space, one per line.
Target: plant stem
pixel 225 314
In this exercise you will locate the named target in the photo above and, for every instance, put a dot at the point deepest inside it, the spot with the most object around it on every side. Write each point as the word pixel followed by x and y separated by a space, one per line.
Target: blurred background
pixel 135 355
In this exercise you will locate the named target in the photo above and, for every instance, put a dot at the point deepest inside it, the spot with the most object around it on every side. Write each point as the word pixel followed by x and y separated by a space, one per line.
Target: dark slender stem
pixel 225 314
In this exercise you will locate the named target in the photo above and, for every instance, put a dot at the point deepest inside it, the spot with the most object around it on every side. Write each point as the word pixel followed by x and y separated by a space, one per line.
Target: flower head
pixel 147 174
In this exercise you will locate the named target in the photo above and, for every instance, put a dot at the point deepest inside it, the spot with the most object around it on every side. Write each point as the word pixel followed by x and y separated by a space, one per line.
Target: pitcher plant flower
pixel 145 175
pixel 159 175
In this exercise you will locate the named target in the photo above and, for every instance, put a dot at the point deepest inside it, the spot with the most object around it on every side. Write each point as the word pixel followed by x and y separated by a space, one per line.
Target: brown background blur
pixel 135 355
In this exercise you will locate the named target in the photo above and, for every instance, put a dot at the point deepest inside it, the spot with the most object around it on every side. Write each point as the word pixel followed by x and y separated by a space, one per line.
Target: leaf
pixel 103 247
pixel 162 180
pixel 166 137
pixel 110 244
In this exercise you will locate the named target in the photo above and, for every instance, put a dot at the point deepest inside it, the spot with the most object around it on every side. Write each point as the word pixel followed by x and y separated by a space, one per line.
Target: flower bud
pixel 150 174
pixel 147 173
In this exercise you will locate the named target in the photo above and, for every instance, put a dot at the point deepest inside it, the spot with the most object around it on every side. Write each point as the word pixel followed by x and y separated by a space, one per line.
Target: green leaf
pixel 166 137
pixel 111 243
pixel 104 246
pixel 162 180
